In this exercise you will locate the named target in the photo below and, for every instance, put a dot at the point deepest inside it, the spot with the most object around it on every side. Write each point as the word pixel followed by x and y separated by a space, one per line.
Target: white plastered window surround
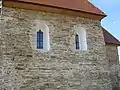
pixel 81 31
pixel 40 25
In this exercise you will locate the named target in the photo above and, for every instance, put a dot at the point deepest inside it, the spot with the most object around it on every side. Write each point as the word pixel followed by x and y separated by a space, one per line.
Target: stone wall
pixel 112 56
pixel 62 68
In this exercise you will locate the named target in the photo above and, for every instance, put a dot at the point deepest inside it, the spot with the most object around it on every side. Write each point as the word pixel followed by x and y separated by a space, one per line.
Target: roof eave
pixel 116 44
pixel 101 16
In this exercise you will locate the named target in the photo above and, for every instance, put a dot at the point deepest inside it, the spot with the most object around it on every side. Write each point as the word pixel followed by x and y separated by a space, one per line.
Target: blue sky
pixel 112 21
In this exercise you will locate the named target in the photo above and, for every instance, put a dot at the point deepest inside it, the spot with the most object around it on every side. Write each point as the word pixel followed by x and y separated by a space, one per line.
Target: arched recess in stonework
pixel 80 38
pixel 40 33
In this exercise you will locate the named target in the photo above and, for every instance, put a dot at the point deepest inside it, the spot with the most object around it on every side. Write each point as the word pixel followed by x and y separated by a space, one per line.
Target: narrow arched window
pixel 39 39
pixel 77 41
pixel 80 38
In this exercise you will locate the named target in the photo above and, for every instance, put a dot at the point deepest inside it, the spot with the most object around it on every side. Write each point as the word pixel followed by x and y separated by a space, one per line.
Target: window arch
pixel 40 36
pixel 80 38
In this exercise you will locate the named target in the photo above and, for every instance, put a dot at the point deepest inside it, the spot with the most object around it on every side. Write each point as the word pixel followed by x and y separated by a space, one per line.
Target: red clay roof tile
pixel 109 38
pixel 77 5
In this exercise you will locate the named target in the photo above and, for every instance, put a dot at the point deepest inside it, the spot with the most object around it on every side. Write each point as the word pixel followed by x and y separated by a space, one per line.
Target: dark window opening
pixel 39 39
pixel 77 41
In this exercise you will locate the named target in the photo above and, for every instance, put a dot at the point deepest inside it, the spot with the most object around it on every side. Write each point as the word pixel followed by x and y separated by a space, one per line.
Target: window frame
pixel 40 41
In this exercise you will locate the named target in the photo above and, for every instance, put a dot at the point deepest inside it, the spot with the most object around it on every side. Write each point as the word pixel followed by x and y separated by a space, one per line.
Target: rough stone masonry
pixel 62 68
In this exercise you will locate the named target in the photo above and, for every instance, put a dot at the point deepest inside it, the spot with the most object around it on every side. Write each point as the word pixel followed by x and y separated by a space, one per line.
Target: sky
pixel 112 21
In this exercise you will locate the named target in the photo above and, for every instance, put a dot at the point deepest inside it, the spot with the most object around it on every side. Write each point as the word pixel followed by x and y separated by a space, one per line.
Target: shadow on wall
pixel 115 76
pixel 115 88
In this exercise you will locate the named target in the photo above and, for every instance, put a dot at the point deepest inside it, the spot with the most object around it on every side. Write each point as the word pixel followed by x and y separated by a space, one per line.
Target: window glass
pixel 77 41
pixel 40 39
